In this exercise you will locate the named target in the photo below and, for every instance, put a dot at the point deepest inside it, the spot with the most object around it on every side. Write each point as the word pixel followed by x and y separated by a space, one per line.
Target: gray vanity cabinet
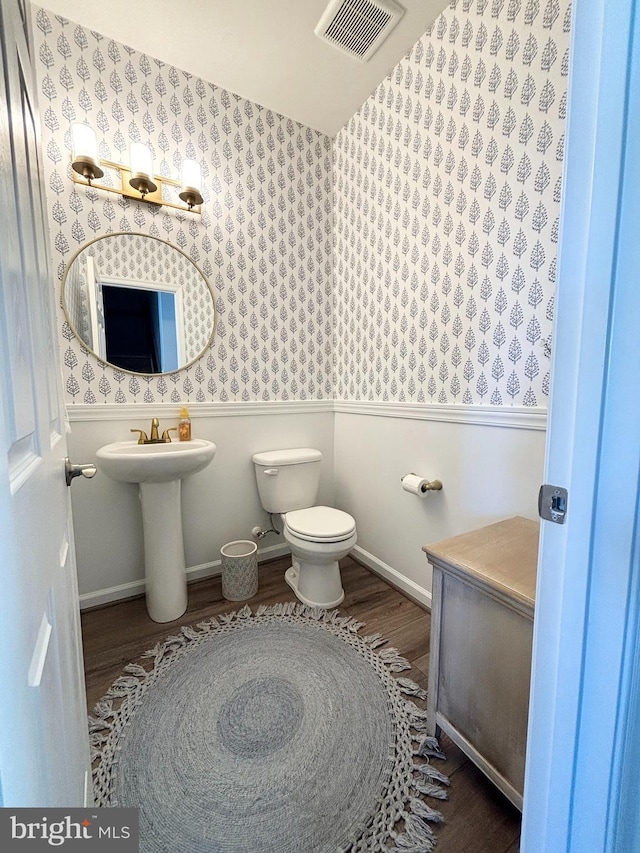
pixel 481 636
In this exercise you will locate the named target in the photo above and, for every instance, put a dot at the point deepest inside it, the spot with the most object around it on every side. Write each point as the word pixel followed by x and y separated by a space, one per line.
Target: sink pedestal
pixel 158 468
pixel 165 570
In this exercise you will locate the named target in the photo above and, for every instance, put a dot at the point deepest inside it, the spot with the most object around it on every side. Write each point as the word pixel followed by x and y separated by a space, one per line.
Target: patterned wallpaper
pixel 264 239
pixel 419 265
pixel 76 300
pixel 447 188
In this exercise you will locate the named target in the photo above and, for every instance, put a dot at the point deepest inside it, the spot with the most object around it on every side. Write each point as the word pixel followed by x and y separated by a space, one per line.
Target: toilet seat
pixel 320 524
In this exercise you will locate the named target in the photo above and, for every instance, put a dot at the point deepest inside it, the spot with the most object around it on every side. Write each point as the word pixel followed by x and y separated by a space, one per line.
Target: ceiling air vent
pixel 358 27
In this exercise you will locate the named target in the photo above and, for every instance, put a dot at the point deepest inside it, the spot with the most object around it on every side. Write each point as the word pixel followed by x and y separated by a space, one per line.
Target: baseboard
pixel 89 600
pixel 408 587
pixel 133 589
pixel 209 570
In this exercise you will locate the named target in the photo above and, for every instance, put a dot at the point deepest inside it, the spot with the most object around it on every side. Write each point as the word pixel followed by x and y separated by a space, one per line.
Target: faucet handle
pixel 143 435
pixel 165 434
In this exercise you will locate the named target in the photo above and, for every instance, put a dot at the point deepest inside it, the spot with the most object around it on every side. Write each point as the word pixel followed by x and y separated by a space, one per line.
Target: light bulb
pixel 84 151
pixel 141 163
pixel 191 179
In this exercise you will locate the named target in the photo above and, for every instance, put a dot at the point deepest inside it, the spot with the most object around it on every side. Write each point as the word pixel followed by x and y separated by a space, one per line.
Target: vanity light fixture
pixel 137 179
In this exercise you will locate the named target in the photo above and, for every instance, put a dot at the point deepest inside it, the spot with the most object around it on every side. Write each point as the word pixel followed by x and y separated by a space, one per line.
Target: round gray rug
pixel 280 731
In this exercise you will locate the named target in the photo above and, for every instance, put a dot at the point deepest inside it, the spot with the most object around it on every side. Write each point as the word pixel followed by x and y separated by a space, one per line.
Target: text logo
pixel 70 829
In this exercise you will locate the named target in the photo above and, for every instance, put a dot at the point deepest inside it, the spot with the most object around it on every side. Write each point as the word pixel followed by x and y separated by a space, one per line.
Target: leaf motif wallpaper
pixel 411 259
pixel 264 239
pixel 447 188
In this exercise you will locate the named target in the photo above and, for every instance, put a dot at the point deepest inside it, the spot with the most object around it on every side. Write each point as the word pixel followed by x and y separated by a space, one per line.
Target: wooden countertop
pixel 504 555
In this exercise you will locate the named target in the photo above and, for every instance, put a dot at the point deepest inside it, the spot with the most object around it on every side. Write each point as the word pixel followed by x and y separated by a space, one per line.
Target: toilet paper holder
pixel 427 485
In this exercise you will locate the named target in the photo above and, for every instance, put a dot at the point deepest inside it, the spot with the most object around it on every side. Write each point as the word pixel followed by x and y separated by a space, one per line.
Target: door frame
pixel 584 671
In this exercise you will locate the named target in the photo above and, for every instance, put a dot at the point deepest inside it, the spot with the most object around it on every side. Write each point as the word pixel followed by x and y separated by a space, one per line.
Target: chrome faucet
pixel 153 437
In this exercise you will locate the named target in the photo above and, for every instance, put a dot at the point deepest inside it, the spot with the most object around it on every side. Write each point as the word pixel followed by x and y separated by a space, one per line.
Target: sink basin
pixel 131 462
pixel 158 469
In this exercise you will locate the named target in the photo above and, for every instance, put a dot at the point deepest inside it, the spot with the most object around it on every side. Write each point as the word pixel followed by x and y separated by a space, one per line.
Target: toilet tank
pixel 288 479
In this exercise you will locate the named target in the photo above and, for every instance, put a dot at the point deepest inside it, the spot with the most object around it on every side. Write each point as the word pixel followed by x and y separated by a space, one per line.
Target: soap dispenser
pixel 184 425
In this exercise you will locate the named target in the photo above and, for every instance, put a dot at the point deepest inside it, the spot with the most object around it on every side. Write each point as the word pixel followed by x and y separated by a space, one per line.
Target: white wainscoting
pixel 219 504
pixel 489 459
pixel 490 462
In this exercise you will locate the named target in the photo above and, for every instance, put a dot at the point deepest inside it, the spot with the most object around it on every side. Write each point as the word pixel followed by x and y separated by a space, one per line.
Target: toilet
pixel 318 536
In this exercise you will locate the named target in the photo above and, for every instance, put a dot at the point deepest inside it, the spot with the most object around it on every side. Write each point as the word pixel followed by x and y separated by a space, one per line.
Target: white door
pixel 44 755
pixel 583 750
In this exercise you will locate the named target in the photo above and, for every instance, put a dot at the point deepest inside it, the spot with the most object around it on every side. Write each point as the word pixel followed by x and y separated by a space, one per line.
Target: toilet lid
pixel 320 523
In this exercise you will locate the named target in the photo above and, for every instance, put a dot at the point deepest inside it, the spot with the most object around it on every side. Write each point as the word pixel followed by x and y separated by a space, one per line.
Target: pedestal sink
pixel 159 469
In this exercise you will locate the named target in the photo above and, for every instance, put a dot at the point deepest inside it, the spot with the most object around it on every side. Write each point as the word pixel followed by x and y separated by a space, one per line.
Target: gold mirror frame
pixel 90 348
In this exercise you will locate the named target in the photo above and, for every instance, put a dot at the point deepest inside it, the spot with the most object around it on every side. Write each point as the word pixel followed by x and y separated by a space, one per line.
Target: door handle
pixel 71 471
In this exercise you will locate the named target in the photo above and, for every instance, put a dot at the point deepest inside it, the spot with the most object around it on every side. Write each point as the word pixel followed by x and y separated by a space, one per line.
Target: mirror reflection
pixel 139 303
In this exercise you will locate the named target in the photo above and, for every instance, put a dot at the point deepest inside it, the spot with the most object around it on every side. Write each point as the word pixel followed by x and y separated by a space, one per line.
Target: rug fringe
pixel 430 790
pixel 418 837
pixel 411 688
pixel 375 640
pixel 102 710
pixel 420 808
pixel 429 748
pixel 431 773
pixel 123 686
pixel 394 660
pixel 136 669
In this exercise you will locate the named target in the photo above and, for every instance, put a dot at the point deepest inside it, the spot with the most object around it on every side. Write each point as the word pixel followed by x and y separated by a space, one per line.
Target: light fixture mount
pixel 88 168
pixel 143 184
pixel 191 198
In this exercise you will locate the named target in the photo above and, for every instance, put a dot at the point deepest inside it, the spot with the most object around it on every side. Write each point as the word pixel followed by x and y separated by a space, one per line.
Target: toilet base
pixel 316 585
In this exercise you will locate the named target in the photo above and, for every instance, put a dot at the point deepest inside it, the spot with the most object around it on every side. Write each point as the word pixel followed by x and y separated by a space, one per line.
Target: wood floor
pixel 478 819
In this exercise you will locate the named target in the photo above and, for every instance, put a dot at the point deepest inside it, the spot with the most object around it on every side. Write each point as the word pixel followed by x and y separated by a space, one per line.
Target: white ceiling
pixel 263 50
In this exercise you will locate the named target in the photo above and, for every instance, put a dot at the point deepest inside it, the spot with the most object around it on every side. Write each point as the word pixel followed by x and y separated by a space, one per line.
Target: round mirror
pixel 138 303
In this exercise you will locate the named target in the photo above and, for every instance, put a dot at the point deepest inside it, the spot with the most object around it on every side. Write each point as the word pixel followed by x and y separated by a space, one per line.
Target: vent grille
pixel 358 27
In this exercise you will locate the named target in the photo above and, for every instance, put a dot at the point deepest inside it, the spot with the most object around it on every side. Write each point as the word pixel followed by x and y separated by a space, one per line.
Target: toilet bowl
pixel 319 537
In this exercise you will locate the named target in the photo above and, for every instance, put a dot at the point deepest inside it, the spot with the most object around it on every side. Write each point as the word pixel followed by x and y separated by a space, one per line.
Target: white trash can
pixel 239 569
